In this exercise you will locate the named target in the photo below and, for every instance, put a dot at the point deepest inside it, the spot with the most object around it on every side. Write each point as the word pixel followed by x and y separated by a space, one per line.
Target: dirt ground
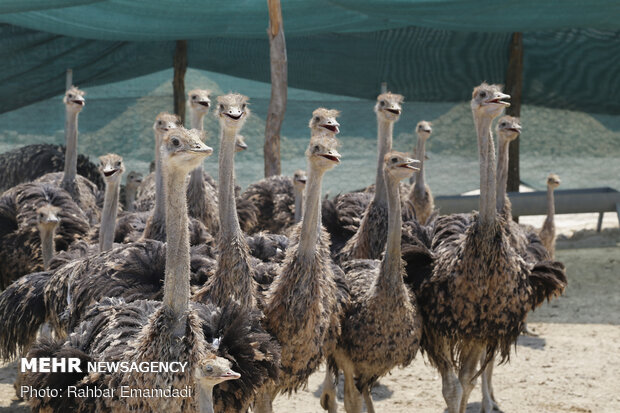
pixel 573 366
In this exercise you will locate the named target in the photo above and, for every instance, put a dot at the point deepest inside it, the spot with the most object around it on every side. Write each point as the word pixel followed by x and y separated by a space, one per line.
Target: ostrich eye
pixel 209 368
pixel 221 107
pixel 316 148
pixel 382 103
pixel 175 142
pixel 483 94
pixel 317 119
pixel 194 97
pixel 394 160
pixel 118 163
pixel 502 124
pixel 159 122
pixel 243 106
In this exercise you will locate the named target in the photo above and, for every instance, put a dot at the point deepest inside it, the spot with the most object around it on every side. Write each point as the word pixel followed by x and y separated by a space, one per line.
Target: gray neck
pixel 47 245
pixel 196 121
pixel 385 130
pixel 176 283
pixel 159 210
pixel 229 223
pixel 196 176
pixel 71 153
pixel 108 215
pixel 311 223
pixel 130 197
pixel 419 186
pixel 550 206
pixel 299 203
pixel 205 399
pixel 486 149
pixel 502 172
pixel 390 274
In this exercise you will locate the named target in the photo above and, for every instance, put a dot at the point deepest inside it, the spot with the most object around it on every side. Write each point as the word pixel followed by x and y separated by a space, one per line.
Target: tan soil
pixel 574 366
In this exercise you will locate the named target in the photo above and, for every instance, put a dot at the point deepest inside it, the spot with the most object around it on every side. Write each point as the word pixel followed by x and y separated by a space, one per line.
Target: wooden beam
pixel 514 87
pixel 69 79
pixel 279 84
pixel 178 82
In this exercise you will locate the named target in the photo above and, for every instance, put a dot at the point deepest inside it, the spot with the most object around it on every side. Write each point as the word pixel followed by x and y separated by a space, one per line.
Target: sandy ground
pixel 573 366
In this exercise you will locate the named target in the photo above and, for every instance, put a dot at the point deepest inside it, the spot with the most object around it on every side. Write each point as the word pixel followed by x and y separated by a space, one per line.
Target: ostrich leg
pixel 328 397
pixel 488 398
pixel 467 373
pixel 352 397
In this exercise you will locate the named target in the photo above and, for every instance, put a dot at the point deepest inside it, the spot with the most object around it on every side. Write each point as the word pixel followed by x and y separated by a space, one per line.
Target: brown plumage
pixel 381 326
pixel 20 238
pixel 369 240
pixel 303 304
pixel 342 215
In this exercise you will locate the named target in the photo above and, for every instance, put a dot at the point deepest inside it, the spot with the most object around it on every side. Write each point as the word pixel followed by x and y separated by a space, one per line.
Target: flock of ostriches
pixel 255 290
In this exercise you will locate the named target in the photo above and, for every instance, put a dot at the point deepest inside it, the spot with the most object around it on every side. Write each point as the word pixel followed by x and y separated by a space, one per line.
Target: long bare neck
pixel 299 203
pixel 176 283
pixel 205 399
pixel 390 272
pixel 502 172
pixel 420 184
pixel 486 150
pixel 228 209
pixel 550 208
pixel 71 154
pixel 196 176
pixel 130 197
pixel 385 130
pixel 47 245
pixel 196 119
pixel 159 211
pixel 108 215
pixel 311 224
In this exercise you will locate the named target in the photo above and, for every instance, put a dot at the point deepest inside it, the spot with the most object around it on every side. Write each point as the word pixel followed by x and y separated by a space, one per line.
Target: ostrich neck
pixel 130 197
pixel 108 215
pixel 196 176
pixel 47 245
pixel 205 399
pixel 384 145
pixel 502 172
pixel 299 203
pixel 486 150
pixel 311 223
pixel 176 282
pixel 229 223
pixel 419 186
pixel 550 206
pixel 71 152
pixel 159 211
pixel 390 273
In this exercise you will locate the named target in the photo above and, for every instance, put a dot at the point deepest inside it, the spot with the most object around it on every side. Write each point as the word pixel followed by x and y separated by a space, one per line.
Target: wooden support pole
pixel 69 79
pixel 279 84
pixel 178 82
pixel 514 87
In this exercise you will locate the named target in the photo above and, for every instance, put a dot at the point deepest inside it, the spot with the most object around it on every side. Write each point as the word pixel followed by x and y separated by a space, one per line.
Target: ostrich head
pixel 398 165
pixel 553 181
pixel 183 150
pixel 198 100
pixel 111 167
pixel 300 179
pixel 213 371
pixel 508 128
pixel 232 110
pixel 134 179
pixel 47 217
pixel 389 106
pixel 487 100
pixel 240 144
pixel 324 120
pixel 165 122
pixel 322 153
pixel 74 99
pixel 424 129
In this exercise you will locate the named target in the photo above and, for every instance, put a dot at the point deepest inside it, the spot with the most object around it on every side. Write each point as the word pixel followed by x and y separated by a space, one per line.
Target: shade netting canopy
pixel 428 50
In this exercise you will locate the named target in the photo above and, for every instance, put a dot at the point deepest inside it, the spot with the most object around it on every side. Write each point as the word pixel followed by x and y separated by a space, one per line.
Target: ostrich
pixel 133 181
pixel 83 192
pixel 342 215
pixel 112 169
pixel 547 232
pixel 302 307
pixel 201 195
pixel 23 249
pixel 47 223
pixel 480 287
pixel 420 194
pixel 508 129
pixel 299 184
pixel 381 326
pixel 369 240
pixel 29 162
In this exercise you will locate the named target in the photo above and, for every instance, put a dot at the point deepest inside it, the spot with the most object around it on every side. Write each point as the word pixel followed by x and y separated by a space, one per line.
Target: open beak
pixel 333 127
pixel 234 114
pixel 202 149
pixel 302 180
pixel 108 172
pixel 394 111
pixel 204 103
pixel 241 145
pixel 332 155
pixel 498 99
pixel 409 164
